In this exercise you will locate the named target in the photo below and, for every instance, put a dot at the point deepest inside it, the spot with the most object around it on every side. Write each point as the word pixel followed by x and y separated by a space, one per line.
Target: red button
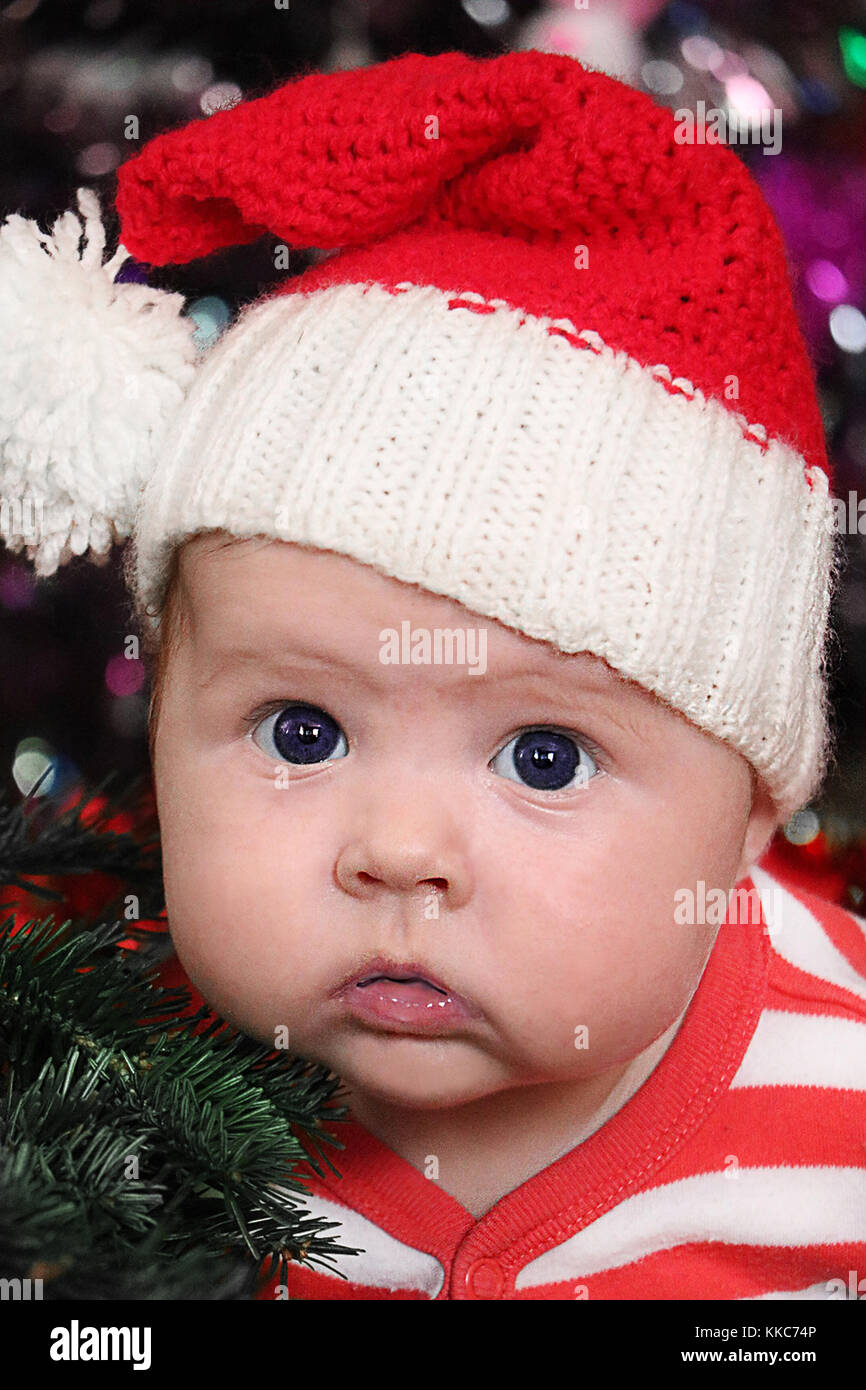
pixel 484 1279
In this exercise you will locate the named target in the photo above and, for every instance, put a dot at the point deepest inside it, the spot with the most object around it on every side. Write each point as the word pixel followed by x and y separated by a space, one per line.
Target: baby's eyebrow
pixel 589 677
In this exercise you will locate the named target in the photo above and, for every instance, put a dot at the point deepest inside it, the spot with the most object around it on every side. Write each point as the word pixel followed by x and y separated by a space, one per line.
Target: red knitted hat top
pixel 494 173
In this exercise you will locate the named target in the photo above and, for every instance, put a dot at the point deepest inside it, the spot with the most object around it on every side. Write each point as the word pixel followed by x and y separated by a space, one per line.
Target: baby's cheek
pixel 210 910
pixel 241 926
pixel 654 986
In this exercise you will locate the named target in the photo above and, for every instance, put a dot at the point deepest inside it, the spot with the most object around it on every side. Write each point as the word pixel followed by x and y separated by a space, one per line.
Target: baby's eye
pixel 300 734
pixel 544 760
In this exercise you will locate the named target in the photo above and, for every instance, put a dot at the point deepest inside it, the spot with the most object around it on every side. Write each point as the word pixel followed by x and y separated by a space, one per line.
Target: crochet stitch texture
pixel 687 267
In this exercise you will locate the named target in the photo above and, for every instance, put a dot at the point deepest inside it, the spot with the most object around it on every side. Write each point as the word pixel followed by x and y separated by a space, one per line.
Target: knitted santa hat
pixel 554 373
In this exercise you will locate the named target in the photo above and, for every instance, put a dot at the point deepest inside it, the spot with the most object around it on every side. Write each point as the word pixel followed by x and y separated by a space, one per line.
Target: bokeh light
pixel 848 328
pixel 212 316
pixel 747 95
pixel 802 828
pixel 853 46
pixel 701 52
pixel 98 159
pixel 488 12
pixel 124 675
pixel 192 74
pixel 826 281
pixel 220 96
pixel 33 759
pixel 662 77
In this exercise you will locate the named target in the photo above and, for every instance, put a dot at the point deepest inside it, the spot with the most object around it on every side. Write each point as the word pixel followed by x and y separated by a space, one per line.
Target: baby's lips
pixel 385 967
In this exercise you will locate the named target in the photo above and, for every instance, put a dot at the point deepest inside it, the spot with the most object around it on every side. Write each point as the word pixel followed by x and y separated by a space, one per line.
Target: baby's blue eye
pixel 544 760
pixel 301 734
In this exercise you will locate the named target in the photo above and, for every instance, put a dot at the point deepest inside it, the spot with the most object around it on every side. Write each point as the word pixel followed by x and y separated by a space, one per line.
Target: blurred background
pixel 72 706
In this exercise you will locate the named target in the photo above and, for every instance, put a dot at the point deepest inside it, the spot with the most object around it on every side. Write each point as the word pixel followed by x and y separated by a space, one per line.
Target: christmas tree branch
pixel 142 1154
pixel 36 840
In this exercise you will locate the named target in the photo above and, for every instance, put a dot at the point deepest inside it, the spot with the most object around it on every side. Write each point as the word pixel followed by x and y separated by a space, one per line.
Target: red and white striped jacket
pixel 736 1171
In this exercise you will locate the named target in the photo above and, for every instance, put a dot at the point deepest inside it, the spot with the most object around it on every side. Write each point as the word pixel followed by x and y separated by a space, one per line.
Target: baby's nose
pixel 411 856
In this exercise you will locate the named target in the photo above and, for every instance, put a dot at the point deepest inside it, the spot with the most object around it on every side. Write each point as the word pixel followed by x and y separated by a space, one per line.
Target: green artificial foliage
pixel 143 1155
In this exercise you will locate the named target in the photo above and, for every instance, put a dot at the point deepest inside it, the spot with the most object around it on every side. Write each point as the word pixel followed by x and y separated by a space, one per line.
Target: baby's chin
pixel 414 1073
pixel 410 1072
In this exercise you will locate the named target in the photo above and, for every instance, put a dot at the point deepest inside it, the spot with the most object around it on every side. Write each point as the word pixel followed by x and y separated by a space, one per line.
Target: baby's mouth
pixel 403 999
pixel 384 968
pixel 402 980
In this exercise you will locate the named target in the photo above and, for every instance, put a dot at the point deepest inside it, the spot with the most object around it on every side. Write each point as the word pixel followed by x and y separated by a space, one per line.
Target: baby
pixel 416 822
pixel 549 403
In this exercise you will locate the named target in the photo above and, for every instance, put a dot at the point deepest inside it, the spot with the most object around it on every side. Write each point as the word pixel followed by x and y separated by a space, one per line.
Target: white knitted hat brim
pixel 527 470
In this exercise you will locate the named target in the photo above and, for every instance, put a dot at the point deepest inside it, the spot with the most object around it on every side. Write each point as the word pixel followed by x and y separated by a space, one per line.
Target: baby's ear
pixel 762 826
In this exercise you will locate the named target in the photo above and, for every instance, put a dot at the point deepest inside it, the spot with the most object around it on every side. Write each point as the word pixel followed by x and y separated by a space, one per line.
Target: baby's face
pixel 518 834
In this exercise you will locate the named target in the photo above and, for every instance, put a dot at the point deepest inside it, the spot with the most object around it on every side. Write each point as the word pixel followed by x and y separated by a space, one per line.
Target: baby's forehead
pixel 258 599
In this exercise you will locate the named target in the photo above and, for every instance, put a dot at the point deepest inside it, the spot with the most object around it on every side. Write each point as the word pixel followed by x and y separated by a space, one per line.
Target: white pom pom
pixel 91 375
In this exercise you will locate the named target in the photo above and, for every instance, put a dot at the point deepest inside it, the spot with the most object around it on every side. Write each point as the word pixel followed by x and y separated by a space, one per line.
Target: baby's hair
pixel 160 648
